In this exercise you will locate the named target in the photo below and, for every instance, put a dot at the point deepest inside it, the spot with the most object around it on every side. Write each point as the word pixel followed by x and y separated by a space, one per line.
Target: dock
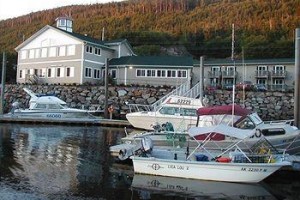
pixel 75 121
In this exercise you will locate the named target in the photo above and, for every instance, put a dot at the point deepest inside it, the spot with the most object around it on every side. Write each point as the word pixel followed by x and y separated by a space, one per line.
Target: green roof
pixel 153 61
pixel 92 40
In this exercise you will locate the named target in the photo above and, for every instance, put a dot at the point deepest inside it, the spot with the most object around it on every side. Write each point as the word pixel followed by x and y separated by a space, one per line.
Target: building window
pixel 21 74
pixel 31 53
pixel 23 54
pixel 70 71
pixel 62 22
pixel 44 52
pixel 49 72
pixel 113 73
pixel 42 73
pixel 150 73
pixel 171 73
pixel 97 51
pixel 88 72
pixel 71 50
pixel 182 73
pixel 89 49
pixel 161 73
pixel 52 52
pixel 37 53
pixel 261 81
pixel 58 72
pixel 62 51
pixel 140 73
pixel 96 73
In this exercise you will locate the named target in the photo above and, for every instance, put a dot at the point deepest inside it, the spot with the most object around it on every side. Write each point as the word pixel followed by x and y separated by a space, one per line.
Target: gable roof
pixel 83 38
pixel 174 61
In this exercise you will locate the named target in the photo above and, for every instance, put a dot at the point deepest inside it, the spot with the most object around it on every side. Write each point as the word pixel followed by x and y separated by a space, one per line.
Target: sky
pixel 16 8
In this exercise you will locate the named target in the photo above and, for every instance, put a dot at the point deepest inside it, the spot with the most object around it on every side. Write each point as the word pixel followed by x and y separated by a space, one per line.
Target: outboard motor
pixel 147 144
pixel 15 106
pixel 156 126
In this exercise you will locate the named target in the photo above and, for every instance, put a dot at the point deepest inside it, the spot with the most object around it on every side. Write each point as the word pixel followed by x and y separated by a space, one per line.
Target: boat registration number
pixel 184 101
pixel 54 115
pixel 250 169
pixel 180 167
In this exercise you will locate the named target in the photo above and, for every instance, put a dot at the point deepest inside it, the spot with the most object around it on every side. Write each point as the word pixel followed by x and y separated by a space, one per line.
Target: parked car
pixel 245 84
pixel 260 87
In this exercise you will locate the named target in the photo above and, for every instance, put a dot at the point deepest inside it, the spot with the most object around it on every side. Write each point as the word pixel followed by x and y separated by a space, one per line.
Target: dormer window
pixel 64 23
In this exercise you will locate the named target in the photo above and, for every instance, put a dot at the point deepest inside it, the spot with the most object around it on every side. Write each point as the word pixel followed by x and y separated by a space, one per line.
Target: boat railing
pixel 180 91
pixel 289 122
pixel 139 107
pixel 194 92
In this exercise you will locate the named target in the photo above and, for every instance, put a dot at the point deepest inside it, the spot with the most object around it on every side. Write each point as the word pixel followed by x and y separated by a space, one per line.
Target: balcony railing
pixel 214 74
pixel 278 73
pixel 262 74
pixel 229 74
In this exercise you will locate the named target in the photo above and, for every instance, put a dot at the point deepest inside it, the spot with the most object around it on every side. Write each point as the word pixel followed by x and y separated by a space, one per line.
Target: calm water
pixel 73 162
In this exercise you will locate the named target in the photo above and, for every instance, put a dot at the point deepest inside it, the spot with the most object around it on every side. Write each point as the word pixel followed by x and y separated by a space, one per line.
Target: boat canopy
pixel 222 129
pixel 223 110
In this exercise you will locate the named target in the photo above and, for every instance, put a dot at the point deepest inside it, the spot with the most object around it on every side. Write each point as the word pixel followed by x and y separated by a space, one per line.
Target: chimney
pixel 65 23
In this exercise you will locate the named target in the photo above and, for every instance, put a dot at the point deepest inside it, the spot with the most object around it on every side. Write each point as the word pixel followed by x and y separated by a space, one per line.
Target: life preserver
pixel 257 133
pixel 111 109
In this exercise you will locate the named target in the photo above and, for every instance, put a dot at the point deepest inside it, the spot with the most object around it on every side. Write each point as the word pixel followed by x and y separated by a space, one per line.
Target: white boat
pixel 281 134
pixel 148 186
pixel 178 110
pixel 48 107
pixel 228 165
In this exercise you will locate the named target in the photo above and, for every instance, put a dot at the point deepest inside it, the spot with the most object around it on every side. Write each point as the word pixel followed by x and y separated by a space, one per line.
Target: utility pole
pixel 297 79
pixel 3 83
pixel 201 78
pixel 106 90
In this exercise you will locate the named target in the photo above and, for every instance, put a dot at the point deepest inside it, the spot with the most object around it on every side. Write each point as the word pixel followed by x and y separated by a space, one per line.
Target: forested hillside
pixel 263 28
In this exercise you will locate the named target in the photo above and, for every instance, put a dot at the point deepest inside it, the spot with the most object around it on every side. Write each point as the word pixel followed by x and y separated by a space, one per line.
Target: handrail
pixel 180 91
pixel 194 92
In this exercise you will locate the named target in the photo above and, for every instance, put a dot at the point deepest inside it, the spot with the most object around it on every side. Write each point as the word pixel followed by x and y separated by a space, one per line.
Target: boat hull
pixel 53 115
pixel 214 171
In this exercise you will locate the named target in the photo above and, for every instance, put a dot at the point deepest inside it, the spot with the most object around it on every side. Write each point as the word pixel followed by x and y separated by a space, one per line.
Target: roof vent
pixel 65 23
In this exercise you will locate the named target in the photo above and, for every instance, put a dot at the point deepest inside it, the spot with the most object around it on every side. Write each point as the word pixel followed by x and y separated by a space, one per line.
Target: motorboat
pixel 281 134
pixel 178 110
pixel 227 165
pixel 48 107
pixel 147 186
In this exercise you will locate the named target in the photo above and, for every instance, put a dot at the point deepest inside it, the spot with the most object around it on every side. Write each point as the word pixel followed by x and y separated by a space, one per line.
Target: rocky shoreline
pixel 269 105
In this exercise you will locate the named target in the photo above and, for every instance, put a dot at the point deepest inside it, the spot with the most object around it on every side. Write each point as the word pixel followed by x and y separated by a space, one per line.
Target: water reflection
pixel 55 160
pixel 73 162
pixel 148 186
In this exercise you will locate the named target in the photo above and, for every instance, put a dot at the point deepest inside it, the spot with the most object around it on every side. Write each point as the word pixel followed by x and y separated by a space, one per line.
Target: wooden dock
pixel 98 121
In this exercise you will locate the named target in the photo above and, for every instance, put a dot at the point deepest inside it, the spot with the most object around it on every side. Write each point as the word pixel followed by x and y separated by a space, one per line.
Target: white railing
pixel 180 91
pixel 194 92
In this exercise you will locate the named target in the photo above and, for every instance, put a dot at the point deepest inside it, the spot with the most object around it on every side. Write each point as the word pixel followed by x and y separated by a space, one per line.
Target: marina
pixel 219 128
pixel 73 162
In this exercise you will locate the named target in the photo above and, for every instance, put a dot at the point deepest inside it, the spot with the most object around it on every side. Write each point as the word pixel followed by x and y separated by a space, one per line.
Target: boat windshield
pixel 246 123
pixel 178 111
pixel 42 106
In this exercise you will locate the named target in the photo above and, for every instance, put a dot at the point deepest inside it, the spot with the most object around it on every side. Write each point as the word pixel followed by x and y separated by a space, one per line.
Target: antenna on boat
pixel 233 85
